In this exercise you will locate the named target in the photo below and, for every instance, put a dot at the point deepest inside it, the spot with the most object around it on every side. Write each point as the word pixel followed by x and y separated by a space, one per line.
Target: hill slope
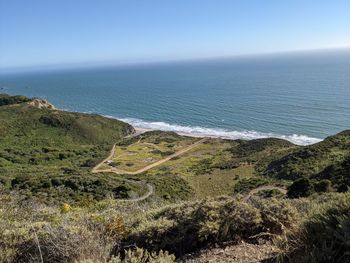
pixel 328 159
pixel 41 149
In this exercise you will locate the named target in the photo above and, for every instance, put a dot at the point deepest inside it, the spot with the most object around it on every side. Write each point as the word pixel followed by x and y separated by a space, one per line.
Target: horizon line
pixel 106 63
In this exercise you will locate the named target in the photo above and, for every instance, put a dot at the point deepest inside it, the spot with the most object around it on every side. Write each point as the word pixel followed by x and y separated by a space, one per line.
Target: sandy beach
pixel 143 130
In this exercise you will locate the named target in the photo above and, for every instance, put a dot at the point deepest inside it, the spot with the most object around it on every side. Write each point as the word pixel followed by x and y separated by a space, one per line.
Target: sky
pixel 59 32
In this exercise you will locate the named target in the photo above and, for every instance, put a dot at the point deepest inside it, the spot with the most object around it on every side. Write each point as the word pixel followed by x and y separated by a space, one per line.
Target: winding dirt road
pixel 150 191
pixel 97 169
pixel 150 188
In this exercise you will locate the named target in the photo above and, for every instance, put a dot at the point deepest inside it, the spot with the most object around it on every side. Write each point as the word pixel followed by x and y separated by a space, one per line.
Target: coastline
pixel 139 131
pixel 141 126
pixel 201 132
pixel 300 140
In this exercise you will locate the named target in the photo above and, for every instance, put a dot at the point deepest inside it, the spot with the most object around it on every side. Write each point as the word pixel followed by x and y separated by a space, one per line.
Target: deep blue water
pixel 303 97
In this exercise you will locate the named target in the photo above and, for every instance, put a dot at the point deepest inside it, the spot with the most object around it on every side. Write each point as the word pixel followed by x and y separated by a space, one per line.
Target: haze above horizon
pixel 64 32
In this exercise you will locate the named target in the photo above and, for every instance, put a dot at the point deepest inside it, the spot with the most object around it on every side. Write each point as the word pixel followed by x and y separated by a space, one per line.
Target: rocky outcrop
pixel 41 104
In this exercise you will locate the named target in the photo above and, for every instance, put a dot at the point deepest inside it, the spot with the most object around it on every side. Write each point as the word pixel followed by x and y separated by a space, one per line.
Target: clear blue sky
pixel 39 32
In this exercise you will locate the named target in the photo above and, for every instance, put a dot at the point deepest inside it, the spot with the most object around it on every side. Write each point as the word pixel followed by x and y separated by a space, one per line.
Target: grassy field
pixel 216 166
pixel 203 168
pixel 218 182
pixel 146 150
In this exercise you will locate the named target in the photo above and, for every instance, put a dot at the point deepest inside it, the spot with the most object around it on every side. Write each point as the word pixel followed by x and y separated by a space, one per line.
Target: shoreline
pixel 142 126
pixel 140 130
pixel 201 132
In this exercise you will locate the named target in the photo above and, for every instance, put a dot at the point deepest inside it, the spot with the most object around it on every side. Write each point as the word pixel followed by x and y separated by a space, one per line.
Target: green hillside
pixel 328 159
pixel 43 150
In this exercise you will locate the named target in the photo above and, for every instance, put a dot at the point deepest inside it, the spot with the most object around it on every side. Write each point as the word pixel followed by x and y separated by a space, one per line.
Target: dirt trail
pixel 150 189
pixel 144 169
pixel 97 169
pixel 262 188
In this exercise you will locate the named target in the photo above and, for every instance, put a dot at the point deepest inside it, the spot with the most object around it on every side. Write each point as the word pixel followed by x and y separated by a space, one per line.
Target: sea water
pixel 302 97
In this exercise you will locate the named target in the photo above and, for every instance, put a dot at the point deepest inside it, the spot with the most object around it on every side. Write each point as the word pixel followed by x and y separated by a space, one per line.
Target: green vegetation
pixel 30 232
pixel 48 154
pixel 218 192
pixel 337 173
pixel 300 188
pixel 9 100
pixel 247 184
pixel 257 148
pixel 216 166
pixel 52 188
pixel 168 186
pixel 324 235
pixel 328 159
pixel 136 153
pixel 306 230
pixel 102 231
pixel 189 226
pixel 304 187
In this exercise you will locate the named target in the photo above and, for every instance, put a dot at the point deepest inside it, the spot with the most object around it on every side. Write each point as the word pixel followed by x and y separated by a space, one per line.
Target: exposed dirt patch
pixel 241 253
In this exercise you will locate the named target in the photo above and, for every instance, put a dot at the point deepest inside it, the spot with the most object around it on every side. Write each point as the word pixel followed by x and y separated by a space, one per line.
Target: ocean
pixel 302 96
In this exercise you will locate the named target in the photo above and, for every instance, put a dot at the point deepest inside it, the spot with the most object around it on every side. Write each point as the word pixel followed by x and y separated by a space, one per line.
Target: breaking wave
pixel 198 131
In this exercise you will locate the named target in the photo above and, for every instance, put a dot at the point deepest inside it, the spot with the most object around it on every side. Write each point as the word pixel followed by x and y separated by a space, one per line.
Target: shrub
pixel 116 228
pixel 8 100
pixel 325 234
pixel 247 184
pixel 64 244
pixel 323 186
pixel 270 193
pixel 168 185
pixel 343 188
pixel 202 166
pixel 30 231
pixel 227 164
pixel 140 255
pixel 189 226
pixel 277 216
pixel 300 188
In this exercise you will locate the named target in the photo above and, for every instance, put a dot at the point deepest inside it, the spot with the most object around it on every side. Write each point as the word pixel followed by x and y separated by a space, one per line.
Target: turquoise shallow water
pixel 302 97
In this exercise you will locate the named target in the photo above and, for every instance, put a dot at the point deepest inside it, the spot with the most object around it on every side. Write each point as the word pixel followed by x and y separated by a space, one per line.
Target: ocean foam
pixel 197 131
